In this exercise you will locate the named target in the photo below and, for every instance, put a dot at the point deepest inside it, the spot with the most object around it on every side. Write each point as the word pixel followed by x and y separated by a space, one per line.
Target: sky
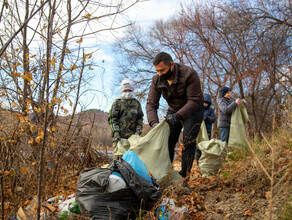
pixel 144 14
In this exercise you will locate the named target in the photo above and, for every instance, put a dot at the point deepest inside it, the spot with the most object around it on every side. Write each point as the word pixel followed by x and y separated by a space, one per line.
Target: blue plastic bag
pixel 132 158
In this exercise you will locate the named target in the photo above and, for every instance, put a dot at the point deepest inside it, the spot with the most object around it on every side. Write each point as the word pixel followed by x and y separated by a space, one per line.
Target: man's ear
pixel 171 66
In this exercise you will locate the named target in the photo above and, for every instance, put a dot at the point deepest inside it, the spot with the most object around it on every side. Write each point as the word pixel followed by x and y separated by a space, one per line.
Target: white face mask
pixel 128 95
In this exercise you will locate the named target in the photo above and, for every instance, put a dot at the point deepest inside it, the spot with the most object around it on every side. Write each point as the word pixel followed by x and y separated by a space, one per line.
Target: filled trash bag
pixel 203 134
pixel 152 149
pixel 213 155
pixel 92 195
pixel 120 205
pixel 237 134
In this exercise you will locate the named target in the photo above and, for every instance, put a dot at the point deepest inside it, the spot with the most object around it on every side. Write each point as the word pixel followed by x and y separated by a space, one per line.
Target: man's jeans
pixel 191 127
pixel 224 134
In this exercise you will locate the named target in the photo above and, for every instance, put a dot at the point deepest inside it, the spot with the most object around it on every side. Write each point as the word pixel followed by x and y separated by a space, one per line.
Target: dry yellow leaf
pixel 79 41
pixel 32 128
pixel 59 101
pixel 88 16
pixel 24 170
pixel 41 134
pixel 17 74
pixel 247 212
pixel 54 100
pixel 38 139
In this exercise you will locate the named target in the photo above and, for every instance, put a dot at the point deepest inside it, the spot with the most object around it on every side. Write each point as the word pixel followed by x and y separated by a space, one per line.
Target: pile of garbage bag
pixel 117 191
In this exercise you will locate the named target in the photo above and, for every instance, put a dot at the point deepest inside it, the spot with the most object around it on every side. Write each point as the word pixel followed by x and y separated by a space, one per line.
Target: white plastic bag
pixel 115 183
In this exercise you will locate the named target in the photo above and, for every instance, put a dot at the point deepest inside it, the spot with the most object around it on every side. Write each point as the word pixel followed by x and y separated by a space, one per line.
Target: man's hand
pixel 138 130
pixel 244 101
pixel 171 119
pixel 237 101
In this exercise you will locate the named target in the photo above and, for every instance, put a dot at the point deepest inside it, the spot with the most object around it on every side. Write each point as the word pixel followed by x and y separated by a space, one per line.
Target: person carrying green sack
pixel 226 106
pixel 126 115
pixel 180 86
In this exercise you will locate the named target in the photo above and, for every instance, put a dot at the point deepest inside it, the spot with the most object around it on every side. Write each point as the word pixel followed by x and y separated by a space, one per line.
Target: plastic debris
pixel 115 183
pixel 56 199
pixel 168 211
pixel 68 207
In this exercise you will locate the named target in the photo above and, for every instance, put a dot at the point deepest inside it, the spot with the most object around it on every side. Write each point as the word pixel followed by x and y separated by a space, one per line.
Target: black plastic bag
pixel 119 205
pixel 92 197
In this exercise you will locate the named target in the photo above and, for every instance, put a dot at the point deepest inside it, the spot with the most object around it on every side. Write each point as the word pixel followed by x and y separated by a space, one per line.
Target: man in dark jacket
pixel 180 87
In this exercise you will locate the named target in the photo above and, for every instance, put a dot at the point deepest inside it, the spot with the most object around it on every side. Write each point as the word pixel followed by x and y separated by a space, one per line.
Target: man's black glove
pixel 138 130
pixel 171 119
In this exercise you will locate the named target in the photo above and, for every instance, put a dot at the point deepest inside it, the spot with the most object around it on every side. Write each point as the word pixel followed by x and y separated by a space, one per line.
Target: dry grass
pixel 264 169
pixel 20 161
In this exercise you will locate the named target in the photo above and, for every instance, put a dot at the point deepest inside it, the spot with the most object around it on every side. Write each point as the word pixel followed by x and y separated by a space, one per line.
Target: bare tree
pixel 47 53
pixel 227 45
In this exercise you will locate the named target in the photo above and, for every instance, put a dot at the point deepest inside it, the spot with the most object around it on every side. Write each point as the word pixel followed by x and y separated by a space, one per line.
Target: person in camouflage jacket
pixel 126 115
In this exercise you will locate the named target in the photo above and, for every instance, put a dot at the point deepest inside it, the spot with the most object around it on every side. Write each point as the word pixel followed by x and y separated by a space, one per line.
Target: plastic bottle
pixel 73 208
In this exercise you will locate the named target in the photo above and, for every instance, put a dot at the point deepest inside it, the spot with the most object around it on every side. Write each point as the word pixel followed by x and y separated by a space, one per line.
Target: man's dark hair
pixel 164 57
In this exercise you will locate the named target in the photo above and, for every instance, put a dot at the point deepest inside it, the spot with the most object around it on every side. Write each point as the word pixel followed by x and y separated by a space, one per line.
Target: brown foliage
pixel 62 166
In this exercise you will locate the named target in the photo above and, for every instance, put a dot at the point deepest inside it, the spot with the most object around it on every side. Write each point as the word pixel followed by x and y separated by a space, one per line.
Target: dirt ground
pixel 222 198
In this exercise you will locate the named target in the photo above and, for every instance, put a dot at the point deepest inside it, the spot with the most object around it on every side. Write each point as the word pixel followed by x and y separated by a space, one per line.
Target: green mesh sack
pixel 237 134
pixel 152 149
pixel 213 155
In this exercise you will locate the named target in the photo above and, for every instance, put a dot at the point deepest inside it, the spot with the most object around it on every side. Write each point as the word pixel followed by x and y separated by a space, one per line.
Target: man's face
pixel 161 68
pixel 228 95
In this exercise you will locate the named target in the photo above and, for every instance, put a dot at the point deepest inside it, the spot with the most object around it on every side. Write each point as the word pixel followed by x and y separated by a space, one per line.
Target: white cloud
pixel 144 13
pixel 149 11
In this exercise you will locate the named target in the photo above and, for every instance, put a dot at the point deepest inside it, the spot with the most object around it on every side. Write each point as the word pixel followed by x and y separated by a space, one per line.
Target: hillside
pixel 92 123
pixel 254 183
